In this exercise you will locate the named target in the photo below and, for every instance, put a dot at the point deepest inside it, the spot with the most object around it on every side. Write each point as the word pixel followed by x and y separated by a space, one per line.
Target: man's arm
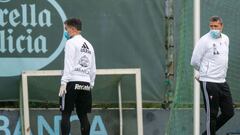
pixel 68 62
pixel 93 71
pixel 197 55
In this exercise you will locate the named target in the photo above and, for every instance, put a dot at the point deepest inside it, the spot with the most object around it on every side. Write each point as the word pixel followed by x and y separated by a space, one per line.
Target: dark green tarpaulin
pixel 124 33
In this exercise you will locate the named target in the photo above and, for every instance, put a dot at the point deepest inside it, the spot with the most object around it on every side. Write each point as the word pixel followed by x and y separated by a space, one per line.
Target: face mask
pixel 215 33
pixel 66 35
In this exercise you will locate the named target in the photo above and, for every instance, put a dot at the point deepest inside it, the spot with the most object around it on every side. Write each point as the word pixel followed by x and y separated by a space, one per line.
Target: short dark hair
pixel 215 19
pixel 74 22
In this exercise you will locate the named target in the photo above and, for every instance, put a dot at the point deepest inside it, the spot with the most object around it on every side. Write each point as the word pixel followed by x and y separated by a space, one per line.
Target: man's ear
pixel 222 27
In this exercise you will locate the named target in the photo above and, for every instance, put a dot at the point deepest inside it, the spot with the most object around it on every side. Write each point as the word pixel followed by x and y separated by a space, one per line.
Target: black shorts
pixel 78 95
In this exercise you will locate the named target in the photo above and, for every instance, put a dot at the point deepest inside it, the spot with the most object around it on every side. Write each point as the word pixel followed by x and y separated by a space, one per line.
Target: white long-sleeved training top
pixel 210 58
pixel 79 61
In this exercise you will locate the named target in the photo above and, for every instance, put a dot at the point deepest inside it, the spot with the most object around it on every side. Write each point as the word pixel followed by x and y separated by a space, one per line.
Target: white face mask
pixel 215 33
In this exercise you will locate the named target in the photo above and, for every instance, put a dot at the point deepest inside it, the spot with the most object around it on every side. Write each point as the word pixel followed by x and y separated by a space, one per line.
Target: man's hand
pixel 197 77
pixel 62 90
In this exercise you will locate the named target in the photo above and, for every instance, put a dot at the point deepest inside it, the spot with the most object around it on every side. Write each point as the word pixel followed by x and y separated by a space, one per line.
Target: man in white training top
pixel 210 58
pixel 78 77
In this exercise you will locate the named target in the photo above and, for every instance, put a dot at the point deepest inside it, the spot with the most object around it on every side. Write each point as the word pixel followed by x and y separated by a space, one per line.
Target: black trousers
pixel 78 95
pixel 216 96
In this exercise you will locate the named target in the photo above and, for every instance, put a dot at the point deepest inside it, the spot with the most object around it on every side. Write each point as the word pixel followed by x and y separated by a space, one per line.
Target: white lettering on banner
pixel 26 35
pixel 23 43
pixel 14 18
pixel 97 126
